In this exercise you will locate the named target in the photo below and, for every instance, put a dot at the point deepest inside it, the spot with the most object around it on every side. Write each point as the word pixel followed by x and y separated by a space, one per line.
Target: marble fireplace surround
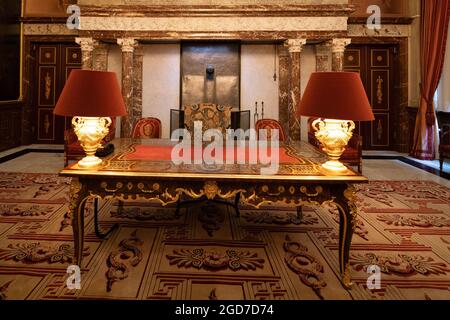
pixel 291 23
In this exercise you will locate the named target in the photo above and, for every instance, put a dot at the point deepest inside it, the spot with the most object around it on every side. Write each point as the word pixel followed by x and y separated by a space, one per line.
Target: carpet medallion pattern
pixel 209 253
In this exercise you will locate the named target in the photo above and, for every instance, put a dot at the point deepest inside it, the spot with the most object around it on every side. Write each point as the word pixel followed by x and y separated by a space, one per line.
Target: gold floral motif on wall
pixel 380 90
pixel 48 86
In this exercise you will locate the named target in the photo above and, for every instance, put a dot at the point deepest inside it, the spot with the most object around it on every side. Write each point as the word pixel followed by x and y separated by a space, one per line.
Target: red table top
pixel 164 153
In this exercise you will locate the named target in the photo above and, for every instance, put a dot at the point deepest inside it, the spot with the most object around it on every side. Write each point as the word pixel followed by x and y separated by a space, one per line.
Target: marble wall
pixel 396 7
pixel 115 65
pixel 45 8
pixel 308 66
pixel 161 79
pixel 257 82
pixel 161 83
pixel 414 53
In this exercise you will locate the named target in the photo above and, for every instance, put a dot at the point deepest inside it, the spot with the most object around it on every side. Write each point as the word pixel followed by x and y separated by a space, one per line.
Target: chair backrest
pixel 149 128
pixel 269 125
pixel 212 116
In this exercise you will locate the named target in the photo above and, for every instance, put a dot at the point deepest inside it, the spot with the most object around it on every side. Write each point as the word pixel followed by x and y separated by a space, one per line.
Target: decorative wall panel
pixel 10 123
pixel 10 49
pixel 380 131
pixel 46 123
pixel 53 65
pixel 47 79
pixel 374 64
pixel 210 73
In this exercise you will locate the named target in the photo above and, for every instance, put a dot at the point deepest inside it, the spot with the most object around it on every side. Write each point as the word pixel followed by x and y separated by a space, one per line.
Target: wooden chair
pixel 444 144
pixel 145 128
pixel 270 124
pixel 149 128
pixel 352 155
pixel 212 116
pixel 72 147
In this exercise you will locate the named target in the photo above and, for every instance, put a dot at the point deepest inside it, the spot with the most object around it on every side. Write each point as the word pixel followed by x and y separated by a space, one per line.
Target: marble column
pixel 337 51
pixel 87 48
pixel 283 87
pixel 101 57
pixel 323 57
pixel 295 47
pixel 127 46
pixel 137 83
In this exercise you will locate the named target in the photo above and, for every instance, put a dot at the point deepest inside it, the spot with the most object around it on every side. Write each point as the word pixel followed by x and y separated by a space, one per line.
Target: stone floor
pixel 433 163
pixel 397 170
pixel 35 162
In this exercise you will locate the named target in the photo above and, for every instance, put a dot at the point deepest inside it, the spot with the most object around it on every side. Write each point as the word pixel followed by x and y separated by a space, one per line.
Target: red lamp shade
pixel 337 96
pixel 91 94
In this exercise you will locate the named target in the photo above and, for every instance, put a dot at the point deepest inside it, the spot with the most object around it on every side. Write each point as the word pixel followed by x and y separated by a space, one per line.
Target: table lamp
pixel 91 97
pixel 337 99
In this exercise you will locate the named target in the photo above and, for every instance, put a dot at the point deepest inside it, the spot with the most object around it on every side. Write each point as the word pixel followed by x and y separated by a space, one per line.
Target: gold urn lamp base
pixel 90 132
pixel 91 97
pixel 338 99
pixel 334 165
pixel 334 136
pixel 89 162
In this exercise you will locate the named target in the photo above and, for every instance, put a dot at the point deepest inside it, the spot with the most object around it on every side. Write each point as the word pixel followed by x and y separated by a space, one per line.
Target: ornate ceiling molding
pixel 265 10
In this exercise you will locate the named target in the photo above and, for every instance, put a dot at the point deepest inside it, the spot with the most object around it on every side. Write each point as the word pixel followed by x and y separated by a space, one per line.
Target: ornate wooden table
pixel 142 169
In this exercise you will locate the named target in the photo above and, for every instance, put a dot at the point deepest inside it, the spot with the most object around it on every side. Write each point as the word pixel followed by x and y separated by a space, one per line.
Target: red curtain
pixel 433 35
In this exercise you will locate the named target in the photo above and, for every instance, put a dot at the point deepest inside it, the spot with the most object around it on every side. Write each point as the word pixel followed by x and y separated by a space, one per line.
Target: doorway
pixel 54 62
pixel 375 64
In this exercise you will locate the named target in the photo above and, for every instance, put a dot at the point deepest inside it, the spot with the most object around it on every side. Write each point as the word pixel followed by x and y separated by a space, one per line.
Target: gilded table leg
pixel 347 221
pixel 98 232
pixel 78 198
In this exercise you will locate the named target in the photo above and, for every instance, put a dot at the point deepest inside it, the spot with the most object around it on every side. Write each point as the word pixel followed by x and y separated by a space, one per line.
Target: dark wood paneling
pixel 443 118
pixel 375 65
pixel 10 125
pixel 10 48
pixel 412 114
pixel 54 62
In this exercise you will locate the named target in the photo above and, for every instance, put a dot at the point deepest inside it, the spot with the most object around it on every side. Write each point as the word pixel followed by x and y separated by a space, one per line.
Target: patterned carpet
pixel 208 253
